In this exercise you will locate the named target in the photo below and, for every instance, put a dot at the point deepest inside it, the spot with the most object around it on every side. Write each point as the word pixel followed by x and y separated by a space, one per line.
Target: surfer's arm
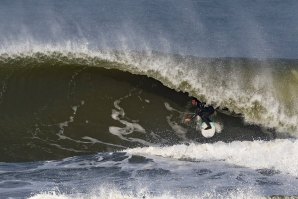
pixel 199 110
pixel 189 118
pixel 194 115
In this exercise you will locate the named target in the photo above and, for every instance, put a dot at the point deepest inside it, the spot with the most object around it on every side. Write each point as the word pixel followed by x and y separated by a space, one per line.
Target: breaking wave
pixel 263 91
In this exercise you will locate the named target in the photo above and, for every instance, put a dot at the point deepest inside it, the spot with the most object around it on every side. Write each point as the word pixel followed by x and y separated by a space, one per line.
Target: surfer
pixel 203 111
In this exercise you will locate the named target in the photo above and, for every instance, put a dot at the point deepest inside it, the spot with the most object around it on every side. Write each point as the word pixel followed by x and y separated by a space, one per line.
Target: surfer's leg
pixel 205 118
pixel 208 114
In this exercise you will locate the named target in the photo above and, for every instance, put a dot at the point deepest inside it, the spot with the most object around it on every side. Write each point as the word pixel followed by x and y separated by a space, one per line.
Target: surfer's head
pixel 194 101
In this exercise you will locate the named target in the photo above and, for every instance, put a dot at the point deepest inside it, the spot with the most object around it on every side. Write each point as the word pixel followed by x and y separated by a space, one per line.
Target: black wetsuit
pixel 204 112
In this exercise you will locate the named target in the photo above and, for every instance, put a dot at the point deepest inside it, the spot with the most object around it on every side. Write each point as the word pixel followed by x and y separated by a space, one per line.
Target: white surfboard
pixel 216 127
pixel 210 132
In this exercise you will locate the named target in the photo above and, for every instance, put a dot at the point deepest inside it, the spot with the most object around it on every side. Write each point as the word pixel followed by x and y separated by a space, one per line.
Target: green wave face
pixel 56 103
pixel 264 91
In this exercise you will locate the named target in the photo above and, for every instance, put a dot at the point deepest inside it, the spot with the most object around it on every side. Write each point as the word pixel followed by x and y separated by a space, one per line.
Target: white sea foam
pixel 129 126
pixel 106 192
pixel 278 154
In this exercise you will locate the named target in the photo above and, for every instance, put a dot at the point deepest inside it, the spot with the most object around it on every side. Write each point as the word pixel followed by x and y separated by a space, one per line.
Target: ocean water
pixel 93 96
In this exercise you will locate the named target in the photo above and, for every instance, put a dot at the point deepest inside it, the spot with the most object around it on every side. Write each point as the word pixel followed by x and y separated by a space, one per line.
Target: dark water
pixel 65 110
